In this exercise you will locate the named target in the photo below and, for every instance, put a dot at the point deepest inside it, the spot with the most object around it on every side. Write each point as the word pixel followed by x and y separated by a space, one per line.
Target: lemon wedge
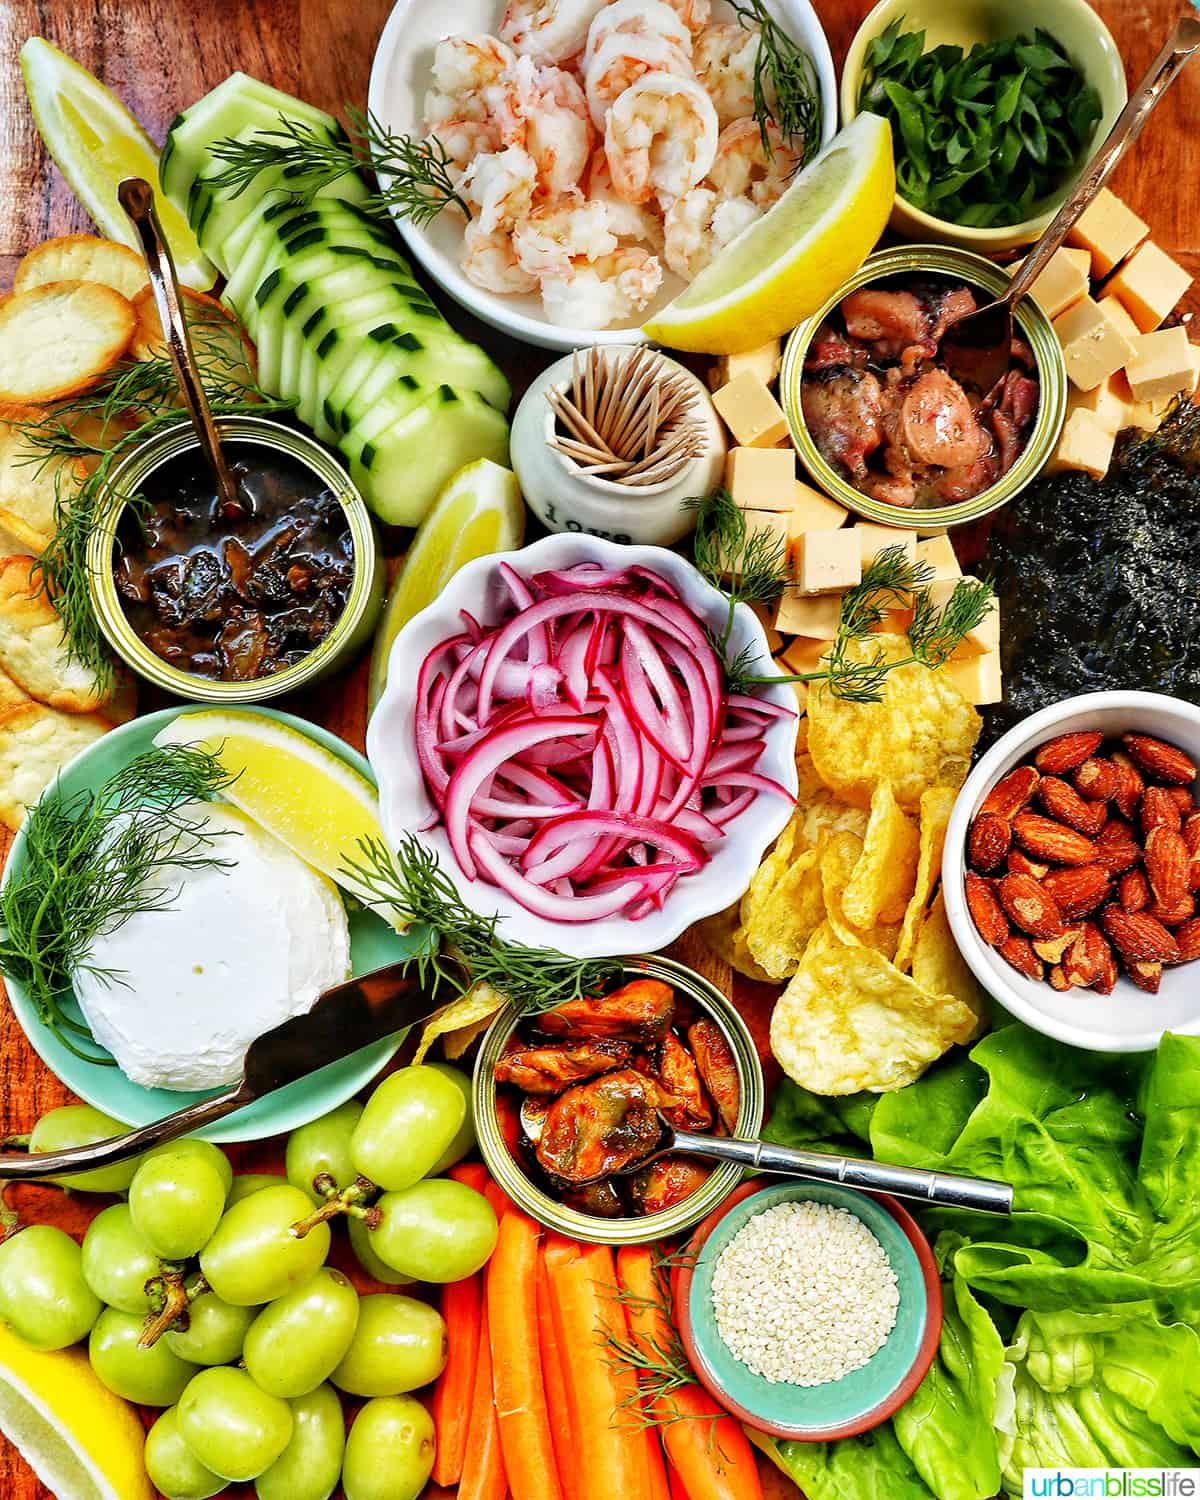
pixel 77 1437
pixel 96 141
pixel 309 798
pixel 478 512
pixel 782 267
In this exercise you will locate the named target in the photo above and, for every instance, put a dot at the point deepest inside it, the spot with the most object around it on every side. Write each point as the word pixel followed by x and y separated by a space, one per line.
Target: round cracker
pixel 58 339
pixel 83 257
pixel 214 329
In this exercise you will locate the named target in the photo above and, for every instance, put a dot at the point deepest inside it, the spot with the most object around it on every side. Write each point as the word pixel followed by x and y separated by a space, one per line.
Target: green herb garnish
pixel 92 861
pixel 981 138
pixel 787 93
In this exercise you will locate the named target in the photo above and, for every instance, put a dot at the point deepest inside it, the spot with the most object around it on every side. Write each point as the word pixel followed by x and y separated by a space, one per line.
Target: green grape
pixel 177 1200
pixel 253 1257
pixel 117 1261
pixel 439 1230
pixel 360 1243
pixel 311 1464
pixel 300 1339
pixel 464 1141
pixel 173 1467
pixel 231 1426
pixel 44 1297
pixel 399 1345
pixel 408 1124
pixel 81 1125
pixel 246 1183
pixel 323 1146
pixel 147 1377
pixel 190 1146
pixel 215 1333
pixel 390 1450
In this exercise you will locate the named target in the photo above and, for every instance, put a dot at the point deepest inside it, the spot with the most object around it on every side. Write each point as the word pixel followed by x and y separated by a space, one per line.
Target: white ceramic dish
pixel 406 808
pixel 399 79
pixel 1128 1020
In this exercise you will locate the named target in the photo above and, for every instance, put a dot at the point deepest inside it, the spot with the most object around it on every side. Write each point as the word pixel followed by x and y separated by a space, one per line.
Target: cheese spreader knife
pixel 341 1020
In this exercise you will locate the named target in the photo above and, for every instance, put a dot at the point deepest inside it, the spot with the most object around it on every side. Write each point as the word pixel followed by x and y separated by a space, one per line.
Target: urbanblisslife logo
pixel 1112 1484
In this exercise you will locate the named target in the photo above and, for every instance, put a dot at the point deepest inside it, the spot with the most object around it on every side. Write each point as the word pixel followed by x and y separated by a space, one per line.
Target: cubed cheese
pixel 1084 444
pixel 1107 402
pixel 812 511
pixel 894 621
pixel 1161 365
pixel 805 653
pixel 1108 230
pixel 1145 415
pixel 1150 283
pixel 1093 348
pixel 761 478
pixel 762 362
pixel 814 615
pixel 982 638
pixel 827 562
pixel 770 521
pixel 937 552
pixel 750 412
pixel 977 678
pixel 872 540
pixel 1063 282
pixel 800 688
pixel 1118 314
pixel 765 618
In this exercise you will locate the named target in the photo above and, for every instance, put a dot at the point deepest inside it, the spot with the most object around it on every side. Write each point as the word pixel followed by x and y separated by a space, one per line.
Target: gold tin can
pixel 1032 324
pixel 631 1231
pixel 355 624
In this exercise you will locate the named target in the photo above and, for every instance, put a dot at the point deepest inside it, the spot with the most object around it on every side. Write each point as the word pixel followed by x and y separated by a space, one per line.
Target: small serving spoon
pixel 977 347
pixel 136 197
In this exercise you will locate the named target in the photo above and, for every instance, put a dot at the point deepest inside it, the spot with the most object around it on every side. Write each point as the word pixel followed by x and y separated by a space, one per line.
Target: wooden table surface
pixel 161 55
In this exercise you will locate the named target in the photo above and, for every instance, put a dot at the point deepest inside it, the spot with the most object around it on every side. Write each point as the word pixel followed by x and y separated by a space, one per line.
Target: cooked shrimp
pixel 700 224
pixel 549 240
pixel 488 261
pixel 628 221
pixel 464 140
pixel 597 293
pixel 548 30
pixel 543 110
pixel 464 69
pixel 501 185
pixel 742 169
pixel 621 59
pixel 724 58
pixel 661 137
pixel 636 18
pixel 693 13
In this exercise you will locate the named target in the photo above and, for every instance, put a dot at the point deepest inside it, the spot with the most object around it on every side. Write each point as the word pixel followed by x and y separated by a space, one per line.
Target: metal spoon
pixel 136 197
pixel 977 347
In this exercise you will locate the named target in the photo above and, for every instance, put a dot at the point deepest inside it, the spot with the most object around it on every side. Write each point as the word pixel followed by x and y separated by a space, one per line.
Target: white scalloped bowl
pixel 406 806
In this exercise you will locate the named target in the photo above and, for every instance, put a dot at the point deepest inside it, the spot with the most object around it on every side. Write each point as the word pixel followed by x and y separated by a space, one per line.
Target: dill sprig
pixel 93 860
pixel 787 92
pixel 419 893
pixel 415 178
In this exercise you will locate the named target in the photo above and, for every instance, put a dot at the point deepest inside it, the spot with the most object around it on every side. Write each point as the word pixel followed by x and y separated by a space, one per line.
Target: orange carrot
pixel 472 1174
pixel 556 1391
pixel 508 1118
pixel 521 1409
pixel 497 1197
pixel 656 1468
pixel 677 1490
pixel 646 1324
pixel 483 1476
pixel 450 1405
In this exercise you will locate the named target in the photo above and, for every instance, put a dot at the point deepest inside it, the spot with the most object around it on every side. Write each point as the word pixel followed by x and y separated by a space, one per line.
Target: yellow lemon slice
pixel 781 268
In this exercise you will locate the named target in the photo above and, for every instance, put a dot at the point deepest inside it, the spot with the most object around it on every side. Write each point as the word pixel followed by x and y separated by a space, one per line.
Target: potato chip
pixel 476 1009
pixel 33 650
pixel 883 879
pixel 849 1020
pixel 83 257
pixel 28 489
pixel 779 934
pixel 819 811
pixel 59 338
pixel 762 882
pixel 839 859
pixel 217 337
pixel 920 734
pixel 936 806
pixel 939 967
pixel 725 937
pixel 35 743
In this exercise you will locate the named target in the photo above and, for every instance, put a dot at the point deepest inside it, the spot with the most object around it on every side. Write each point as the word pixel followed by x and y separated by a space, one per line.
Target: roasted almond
pixel 1019 863
pixel 1130 785
pixel 1106 980
pixel 1160 761
pixel 1134 891
pixel 1086 957
pixel 1167 865
pixel 1147 976
pixel 1176 913
pixel 1098 778
pixel 1158 810
pixel 1045 839
pixel 1187 940
pixel 988 841
pixel 1018 951
pixel 1058 979
pixel 1029 906
pixel 1063 802
pixel 1191 832
pixel 1078 889
pixel 1011 794
pixel 1115 847
pixel 1052 949
pixel 1182 797
pixel 1067 752
pixel 986 911
pixel 1139 937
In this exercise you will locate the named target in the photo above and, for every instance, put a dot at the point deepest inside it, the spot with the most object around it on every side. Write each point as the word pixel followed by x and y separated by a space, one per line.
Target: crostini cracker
pixel 28 487
pixel 33 651
pixel 36 742
pixel 59 338
pixel 217 338
pixel 83 257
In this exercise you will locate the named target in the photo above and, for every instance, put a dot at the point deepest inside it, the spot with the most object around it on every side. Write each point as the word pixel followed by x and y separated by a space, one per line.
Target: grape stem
pixel 168 1287
pixel 347 1200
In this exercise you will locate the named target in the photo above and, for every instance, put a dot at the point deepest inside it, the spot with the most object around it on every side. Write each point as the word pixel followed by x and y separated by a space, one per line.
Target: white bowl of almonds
pixel 1072 869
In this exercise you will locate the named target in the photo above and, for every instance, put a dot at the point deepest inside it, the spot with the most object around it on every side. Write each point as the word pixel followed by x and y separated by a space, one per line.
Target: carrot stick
pixel 677 1490
pixel 483 1476
pixel 554 1380
pixel 472 1174
pixel 647 1325
pixel 656 1468
pixel 521 1409
pixel 450 1405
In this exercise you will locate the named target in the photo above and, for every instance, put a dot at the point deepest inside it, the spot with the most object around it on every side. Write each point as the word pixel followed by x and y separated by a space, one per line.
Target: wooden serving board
pixel 161 55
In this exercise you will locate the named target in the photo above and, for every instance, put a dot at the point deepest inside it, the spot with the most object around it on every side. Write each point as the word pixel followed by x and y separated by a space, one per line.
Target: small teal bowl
pixel 839 1408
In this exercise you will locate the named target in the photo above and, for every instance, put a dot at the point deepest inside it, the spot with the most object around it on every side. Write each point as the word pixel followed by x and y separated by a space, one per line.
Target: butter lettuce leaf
pixel 869 1467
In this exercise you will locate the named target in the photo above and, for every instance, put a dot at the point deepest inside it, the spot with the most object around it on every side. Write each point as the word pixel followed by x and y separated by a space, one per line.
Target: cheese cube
pixel 800 688
pixel 814 615
pixel 750 412
pixel 764 617
pixel 1161 365
pixel 762 362
pixel 827 562
pixel 1063 282
pixel 1092 347
pixel 1150 283
pixel 1084 444
pixel 937 552
pixel 977 678
pixel 1107 402
pixel 873 540
pixel 1145 415
pixel 1108 230
pixel 769 521
pixel 812 511
pixel 895 621
pixel 1117 313
pixel 761 478
pixel 980 639
pixel 804 654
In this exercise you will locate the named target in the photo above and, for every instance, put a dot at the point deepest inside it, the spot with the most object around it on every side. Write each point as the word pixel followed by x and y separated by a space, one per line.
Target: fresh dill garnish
pixel 93 860
pixel 787 92
pixel 419 892
pixel 415 178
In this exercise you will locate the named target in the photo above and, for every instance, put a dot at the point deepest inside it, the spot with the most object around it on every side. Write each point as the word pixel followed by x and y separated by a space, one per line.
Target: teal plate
pixel 372 943
pixel 839 1408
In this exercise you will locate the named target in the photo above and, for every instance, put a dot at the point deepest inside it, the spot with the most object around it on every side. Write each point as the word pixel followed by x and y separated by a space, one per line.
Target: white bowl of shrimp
pixel 604 150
